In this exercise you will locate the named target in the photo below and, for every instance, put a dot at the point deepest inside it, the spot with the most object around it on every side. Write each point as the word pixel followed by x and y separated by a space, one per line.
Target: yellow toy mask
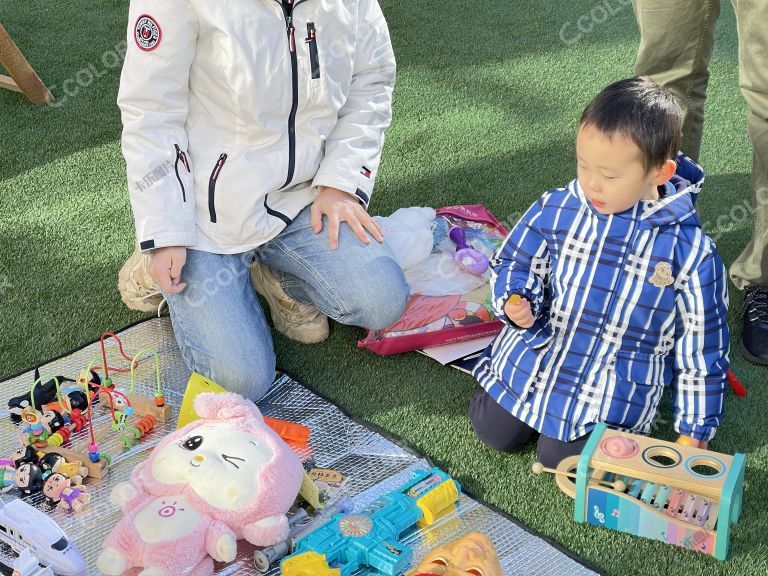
pixel 470 555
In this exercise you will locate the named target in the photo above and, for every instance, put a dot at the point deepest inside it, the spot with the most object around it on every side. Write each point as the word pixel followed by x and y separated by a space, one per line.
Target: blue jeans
pixel 218 321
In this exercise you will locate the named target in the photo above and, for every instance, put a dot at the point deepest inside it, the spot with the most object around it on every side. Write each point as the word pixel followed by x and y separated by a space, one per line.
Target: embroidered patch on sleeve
pixel 147 33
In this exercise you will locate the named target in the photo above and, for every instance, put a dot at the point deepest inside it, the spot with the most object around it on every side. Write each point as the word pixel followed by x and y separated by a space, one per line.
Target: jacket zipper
pixel 314 57
pixel 212 187
pixel 608 313
pixel 291 33
pixel 183 157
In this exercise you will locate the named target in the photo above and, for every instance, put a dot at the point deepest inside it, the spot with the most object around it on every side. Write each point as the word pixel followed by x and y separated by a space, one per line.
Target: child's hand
pixel 518 310
pixel 165 268
pixel 692 442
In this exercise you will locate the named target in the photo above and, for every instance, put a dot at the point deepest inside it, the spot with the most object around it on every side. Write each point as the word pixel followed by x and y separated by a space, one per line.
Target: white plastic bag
pixel 440 275
pixel 408 233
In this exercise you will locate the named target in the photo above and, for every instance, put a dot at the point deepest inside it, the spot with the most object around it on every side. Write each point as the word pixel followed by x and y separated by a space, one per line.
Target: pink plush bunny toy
pixel 220 478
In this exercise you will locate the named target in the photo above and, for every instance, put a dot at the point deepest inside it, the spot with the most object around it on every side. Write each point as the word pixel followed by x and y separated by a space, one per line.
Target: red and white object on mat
pixel 436 320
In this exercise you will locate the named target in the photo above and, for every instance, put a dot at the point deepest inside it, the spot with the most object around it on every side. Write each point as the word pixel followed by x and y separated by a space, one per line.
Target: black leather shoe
pixel 754 336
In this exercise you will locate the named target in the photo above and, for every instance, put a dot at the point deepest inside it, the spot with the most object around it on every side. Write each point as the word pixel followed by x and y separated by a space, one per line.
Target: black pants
pixel 501 431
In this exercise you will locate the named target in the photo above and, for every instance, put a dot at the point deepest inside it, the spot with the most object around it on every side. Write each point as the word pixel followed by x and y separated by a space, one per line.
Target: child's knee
pixel 494 426
pixel 498 438
pixel 550 451
pixel 548 459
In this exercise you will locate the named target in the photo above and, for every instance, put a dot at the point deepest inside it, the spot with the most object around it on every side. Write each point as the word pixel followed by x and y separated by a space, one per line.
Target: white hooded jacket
pixel 234 113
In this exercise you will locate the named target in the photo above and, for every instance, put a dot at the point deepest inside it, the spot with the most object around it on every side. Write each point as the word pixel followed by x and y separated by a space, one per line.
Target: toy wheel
pixel 261 562
pixel 565 483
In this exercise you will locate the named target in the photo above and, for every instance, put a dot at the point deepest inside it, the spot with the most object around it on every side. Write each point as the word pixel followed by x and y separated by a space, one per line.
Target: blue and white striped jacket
pixel 625 305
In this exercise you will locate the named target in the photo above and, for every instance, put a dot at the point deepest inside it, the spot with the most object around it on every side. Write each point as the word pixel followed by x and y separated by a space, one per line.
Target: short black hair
pixel 644 112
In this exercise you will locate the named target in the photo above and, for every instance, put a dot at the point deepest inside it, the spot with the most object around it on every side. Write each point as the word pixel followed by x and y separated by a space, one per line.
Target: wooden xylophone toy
pixel 677 494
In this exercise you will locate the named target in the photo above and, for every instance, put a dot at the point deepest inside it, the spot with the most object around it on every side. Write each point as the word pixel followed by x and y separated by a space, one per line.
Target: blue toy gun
pixel 348 542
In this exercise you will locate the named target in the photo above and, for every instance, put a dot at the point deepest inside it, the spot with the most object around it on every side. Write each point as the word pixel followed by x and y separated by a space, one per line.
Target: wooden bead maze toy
pixel 125 404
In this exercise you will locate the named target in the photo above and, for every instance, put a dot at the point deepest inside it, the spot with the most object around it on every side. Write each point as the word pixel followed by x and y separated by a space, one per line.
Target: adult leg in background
pixel 676 42
pixel 752 266
pixel 750 270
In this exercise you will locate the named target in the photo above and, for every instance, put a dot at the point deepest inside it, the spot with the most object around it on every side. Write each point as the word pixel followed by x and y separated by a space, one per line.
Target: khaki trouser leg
pixel 676 41
pixel 751 267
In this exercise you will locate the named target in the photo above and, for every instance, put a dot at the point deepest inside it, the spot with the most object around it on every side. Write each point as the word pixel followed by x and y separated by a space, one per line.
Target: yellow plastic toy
pixel 309 564
pixel 195 386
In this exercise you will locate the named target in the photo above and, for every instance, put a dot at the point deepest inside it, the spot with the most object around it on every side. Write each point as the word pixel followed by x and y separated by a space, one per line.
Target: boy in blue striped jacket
pixel 610 292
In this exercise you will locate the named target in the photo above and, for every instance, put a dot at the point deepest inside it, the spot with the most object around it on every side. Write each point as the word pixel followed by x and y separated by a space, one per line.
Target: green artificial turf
pixel 486 106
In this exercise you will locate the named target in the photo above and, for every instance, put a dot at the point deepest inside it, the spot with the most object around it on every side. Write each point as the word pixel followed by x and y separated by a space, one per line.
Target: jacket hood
pixel 678 206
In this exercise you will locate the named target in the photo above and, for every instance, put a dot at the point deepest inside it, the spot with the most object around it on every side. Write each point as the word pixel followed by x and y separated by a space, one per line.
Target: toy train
pixel 27 565
pixel 677 494
pixel 25 527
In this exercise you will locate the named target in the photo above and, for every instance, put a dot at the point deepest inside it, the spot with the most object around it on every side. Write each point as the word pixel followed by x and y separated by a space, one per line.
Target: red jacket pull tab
pixel 736 385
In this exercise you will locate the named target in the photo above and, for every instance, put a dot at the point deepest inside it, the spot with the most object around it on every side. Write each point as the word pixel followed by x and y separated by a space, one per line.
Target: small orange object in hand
pixel 692 442
pixel 518 310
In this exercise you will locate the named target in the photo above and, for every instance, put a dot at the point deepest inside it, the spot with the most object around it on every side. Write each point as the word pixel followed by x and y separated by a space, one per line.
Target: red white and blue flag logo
pixel 365 171
pixel 147 33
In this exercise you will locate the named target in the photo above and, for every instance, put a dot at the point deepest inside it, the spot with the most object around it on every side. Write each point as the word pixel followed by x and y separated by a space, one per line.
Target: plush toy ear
pixel 225 406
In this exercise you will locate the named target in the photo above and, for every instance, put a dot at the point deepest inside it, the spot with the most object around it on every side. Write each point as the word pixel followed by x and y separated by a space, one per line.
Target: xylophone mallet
pixel 538 468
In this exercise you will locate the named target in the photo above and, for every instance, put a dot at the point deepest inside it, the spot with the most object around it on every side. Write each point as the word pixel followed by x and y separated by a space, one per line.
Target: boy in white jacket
pixel 249 127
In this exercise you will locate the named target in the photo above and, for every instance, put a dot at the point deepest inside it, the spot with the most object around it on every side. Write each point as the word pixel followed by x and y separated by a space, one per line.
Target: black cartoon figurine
pixel 54 419
pixel 53 463
pixel 46 392
pixel 24 455
pixel 29 478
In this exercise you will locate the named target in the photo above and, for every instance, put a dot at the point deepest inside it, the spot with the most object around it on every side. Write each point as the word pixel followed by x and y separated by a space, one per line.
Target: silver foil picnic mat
pixel 373 464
